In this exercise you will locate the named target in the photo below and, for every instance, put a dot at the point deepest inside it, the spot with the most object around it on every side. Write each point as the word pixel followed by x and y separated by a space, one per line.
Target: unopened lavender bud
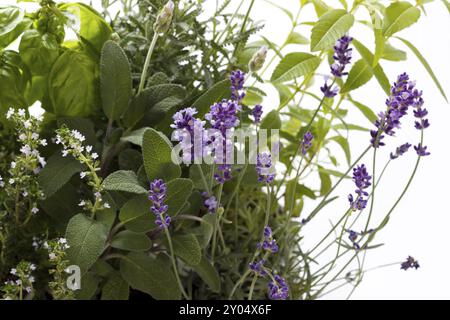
pixel 258 59
pixel 164 18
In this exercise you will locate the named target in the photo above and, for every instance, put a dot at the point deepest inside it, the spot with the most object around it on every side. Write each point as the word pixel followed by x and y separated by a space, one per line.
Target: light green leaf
pixel 343 142
pixel 330 27
pixel 57 172
pixel 39 51
pixel 379 46
pixel 208 274
pixel 366 111
pixel 122 180
pixel 216 93
pixel 136 215
pixel 393 54
pixel 135 137
pixel 399 15
pixel 297 38
pixel 150 275
pixel 10 17
pixel 359 75
pixel 294 65
pixel 271 121
pixel 425 64
pixel 325 181
pixel 187 248
pixel 156 150
pixel 131 241
pixel 115 288
pixel 86 238
pixel 115 80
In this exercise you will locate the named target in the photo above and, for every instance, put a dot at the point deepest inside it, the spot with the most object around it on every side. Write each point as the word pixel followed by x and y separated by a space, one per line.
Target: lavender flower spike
pixel 421 150
pixel 278 289
pixel 268 243
pixel 157 194
pixel 410 263
pixel 237 85
pixel 263 167
pixel 342 56
pixel 257 113
pixel 328 90
pixel 307 142
pixel 401 150
pixel 362 181
pixel 210 202
pixel 258 268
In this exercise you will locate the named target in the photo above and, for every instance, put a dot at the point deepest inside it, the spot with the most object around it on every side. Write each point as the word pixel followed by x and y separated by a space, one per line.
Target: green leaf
pixel 156 150
pixel 178 192
pixel 77 71
pixel 425 64
pixel 294 65
pixel 216 93
pixel 89 285
pixel 399 15
pixel 252 98
pixel 325 181
pixel 131 241
pixel 378 70
pixel 10 37
pixel 187 248
pixel 115 288
pixel 286 11
pixel 360 74
pixel 86 238
pixel 447 5
pixel 10 17
pixel 115 80
pixel 343 142
pixel 57 172
pixel 150 275
pixel 271 121
pixel 366 111
pixel 135 137
pixel 379 46
pixel 297 38
pixel 330 27
pixel 393 54
pixel 208 274
pixel 136 216
pixel 39 51
pixel 122 180
pixel 92 27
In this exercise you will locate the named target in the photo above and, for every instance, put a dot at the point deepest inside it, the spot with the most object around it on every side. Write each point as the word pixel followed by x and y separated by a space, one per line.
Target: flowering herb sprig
pixel 20 286
pixel 264 168
pixel 410 263
pixel 57 256
pixel 362 181
pixel 72 144
pixel 157 194
pixel 22 184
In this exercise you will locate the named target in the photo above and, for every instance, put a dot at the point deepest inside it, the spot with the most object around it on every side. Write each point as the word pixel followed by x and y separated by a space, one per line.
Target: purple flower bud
pixel 410 263
pixel 307 142
pixel 342 56
pixel 328 90
pixel 263 167
pixel 278 289
pixel 237 79
pixel 421 150
pixel 157 194
pixel 257 113
pixel 401 150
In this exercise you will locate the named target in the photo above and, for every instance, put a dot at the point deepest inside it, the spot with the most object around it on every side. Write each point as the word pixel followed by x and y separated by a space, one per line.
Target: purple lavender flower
pixel 307 142
pixel 328 90
pixel 258 268
pixel 237 85
pixel 420 113
pixel 342 56
pixel 421 150
pixel 257 113
pixel 410 263
pixel 353 237
pixel 210 202
pixel 401 150
pixel 263 167
pixel 268 243
pixel 403 95
pixel 362 181
pixel 157 194
pixel 278 289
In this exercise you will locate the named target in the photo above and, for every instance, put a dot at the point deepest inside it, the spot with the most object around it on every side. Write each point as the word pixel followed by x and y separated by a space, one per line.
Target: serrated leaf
pixel 115 288
pixel 271 121
pixel 360 74
pixel 150 275
pixel 208 274
pixel 156 150
pixel 425 64
pixel 57 172
pixel 330 27
pixel 122 180
pixel 86 238
pixel 131 241
pixel 399 15
pixel 115 80
pixel 294 65
pixel 187 248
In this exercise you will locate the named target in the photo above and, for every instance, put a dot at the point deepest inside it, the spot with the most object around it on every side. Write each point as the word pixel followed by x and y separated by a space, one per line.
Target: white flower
pixel 11 181
pixel 34 210
pixel 18 282
pixel 89 149
pixel 13 165
pixel 25 194
pixel 83 174
pixel 94 155
pixel 45 245
pixel 10 113
pixel 43 142
pixel 21 112
pixel 77 135
pixel 28 289
pixel 62 241
pixel 26 150
pixel 34 136
pixel 42 161
pixel 32 267
pixel 31 279
pixel 82 203
pixel 2 184
pixel 22 136
pixel 35 244
pixel 65 153
pixel 52 256
pixel 27 124
pixel 13 271
pixel 98 195
pixel 106 205
pixel 58 139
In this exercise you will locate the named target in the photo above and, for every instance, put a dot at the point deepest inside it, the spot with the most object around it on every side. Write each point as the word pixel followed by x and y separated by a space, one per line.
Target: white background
pixel 420 225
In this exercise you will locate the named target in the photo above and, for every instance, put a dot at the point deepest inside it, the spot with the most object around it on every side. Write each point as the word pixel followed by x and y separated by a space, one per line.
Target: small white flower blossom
pixel 52 256
pixel 83 174
pixel 89 149
pixel 27 124
pixel 106 205
pixel 11 181
pixel 77 135
pixel 94 155
pixel 34 136
pixel 13 165
pixel 33 267
pixel 26 150
pixel 10 113
pixel 34 210
pixel 21 112
pixel 82 203
pixel 43 142
pixel 13 271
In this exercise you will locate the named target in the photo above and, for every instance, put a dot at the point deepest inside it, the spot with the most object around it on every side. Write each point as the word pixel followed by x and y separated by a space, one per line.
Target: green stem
pixel 174 264
pixel 147 63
